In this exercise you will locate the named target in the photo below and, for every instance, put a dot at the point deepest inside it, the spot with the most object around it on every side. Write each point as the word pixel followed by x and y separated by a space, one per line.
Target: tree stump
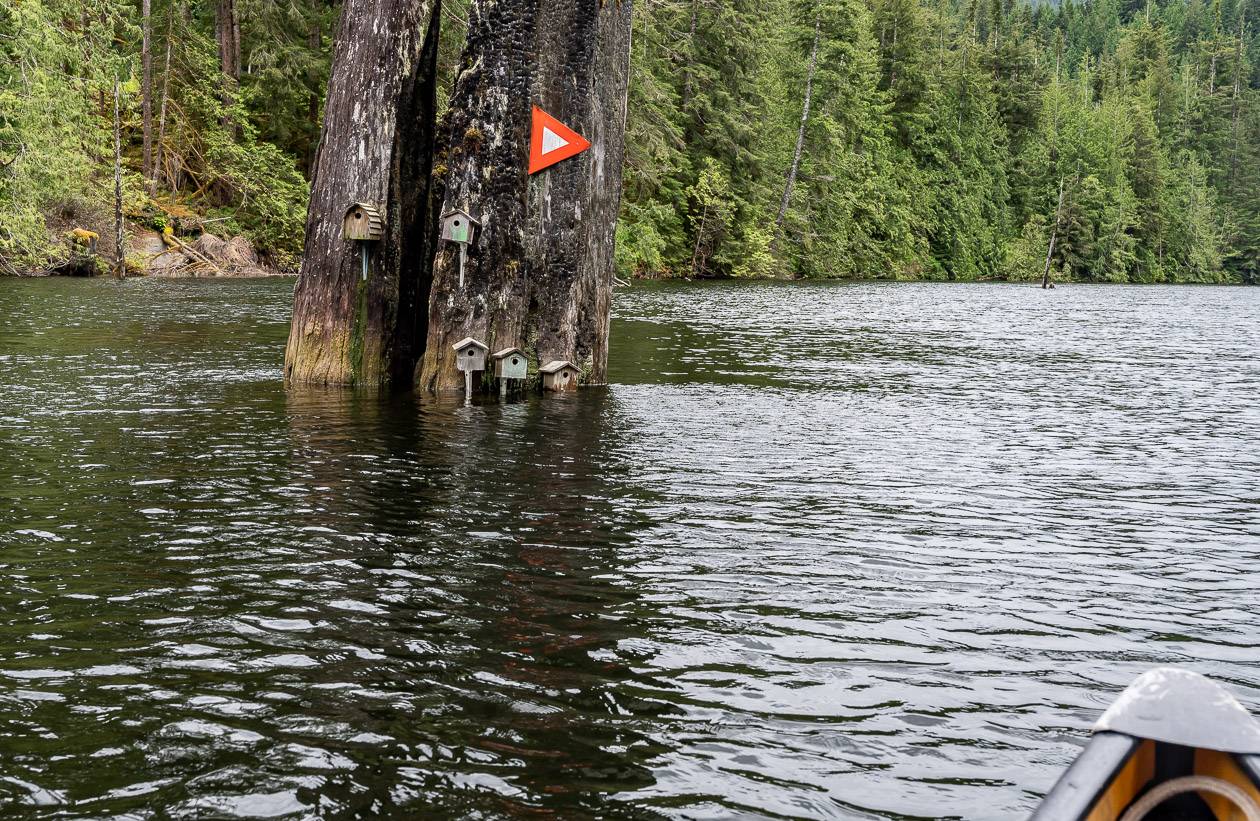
pixel 539 272
pixel 376 147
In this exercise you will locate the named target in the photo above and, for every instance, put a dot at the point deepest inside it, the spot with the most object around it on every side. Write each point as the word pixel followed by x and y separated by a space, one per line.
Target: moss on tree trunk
pixel 539 273
pixel 376 147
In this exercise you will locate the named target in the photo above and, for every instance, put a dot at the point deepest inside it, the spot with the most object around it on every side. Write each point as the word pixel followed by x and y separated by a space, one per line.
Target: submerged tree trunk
pixel 539 273
pixel 800 133
pixel 376 148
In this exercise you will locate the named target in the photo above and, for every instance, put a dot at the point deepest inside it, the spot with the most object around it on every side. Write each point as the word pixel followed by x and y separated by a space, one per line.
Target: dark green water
pixel 821 551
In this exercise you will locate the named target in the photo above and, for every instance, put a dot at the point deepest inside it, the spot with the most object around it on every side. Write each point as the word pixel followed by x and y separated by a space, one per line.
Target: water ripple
pixel 821 551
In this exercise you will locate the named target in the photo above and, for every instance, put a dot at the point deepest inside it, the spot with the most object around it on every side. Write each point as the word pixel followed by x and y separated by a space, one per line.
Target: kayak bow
pixel 1174 747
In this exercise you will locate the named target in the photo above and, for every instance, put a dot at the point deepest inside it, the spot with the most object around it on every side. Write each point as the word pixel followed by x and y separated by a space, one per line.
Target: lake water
pixel 869 551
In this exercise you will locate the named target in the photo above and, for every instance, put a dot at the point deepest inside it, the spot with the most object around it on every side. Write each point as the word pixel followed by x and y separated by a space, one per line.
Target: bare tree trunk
pixel 1054 236
pixel 695 252
pixel 312 103
pixel 539 274
pixel 689 79
pixel 1212 68
pixel 227 31
pixel 892 56
pixel 1233 155
pixel 376 147
pixel 800 132
pixel 120 250
pixel 159 165
pixel 146 91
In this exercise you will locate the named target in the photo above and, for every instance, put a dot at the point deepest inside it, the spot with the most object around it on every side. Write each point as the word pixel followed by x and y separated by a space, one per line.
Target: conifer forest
pixel 1111 141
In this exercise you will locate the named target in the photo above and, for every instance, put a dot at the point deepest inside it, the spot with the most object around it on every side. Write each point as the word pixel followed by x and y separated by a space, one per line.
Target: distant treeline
pixel 899 138
pixel 831 138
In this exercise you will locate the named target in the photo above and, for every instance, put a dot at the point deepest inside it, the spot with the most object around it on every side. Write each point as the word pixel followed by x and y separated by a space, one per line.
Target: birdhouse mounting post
pixel 460 227
pixel 364 253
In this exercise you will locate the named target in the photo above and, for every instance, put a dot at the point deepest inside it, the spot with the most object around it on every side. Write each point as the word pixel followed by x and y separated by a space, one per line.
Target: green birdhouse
pixel 459 226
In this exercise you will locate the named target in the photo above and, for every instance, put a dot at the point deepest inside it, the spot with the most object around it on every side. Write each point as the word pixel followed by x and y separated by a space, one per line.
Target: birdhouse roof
pixel 458 213
pixel 557 365
pixel 464 343
pixel 369 208
pixel 506 352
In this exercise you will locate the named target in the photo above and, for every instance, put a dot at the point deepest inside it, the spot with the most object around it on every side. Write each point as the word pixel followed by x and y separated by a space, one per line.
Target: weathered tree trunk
pixel 1054 237
pixel 1238 54
pixel 688 56
pixel 312 102
pixel 800 132
pixel 539 273
pixel 159 164
pixel 146 90
pixel 120 245
pixel 376 147
pixel 227 30
pixel 700 232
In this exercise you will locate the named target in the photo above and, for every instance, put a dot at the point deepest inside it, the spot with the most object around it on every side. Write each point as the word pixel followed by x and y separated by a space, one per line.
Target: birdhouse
pixel 511 364
pixel 363 222
pixel 470 355
pixel 559 376
pixel 459 226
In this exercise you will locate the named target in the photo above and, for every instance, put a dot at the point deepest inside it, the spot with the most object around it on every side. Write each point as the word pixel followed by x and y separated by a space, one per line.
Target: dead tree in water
pixel 376 148
pixel 539 272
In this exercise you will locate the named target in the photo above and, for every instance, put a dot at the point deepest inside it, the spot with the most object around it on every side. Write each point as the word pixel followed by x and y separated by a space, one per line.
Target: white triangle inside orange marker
pixel 552 141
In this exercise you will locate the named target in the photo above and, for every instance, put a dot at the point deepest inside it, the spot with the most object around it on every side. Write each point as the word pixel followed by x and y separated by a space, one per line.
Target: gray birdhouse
pixel 470 355
pixel 459 226
pixel 364 222
pixel 559 376
pixel 511 364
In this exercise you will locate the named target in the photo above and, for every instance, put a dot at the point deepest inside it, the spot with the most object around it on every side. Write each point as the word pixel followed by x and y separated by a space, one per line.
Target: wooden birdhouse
pixel 559 376
pixel 511 364
pixel 364 222
pixel 470 355
pixel 459 226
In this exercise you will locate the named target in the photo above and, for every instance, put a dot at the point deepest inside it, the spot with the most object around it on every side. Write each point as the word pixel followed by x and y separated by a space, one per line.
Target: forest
pixel 894 139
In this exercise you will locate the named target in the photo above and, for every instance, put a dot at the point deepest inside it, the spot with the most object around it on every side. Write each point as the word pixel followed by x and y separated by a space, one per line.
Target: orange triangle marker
pixel 552 141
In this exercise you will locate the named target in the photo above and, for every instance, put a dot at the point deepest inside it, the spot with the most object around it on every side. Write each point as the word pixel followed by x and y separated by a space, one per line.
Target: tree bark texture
pixel 539 273
pixel 376 147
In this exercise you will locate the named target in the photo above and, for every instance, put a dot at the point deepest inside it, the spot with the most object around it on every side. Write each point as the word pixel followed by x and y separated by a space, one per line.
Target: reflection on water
pixel 857 551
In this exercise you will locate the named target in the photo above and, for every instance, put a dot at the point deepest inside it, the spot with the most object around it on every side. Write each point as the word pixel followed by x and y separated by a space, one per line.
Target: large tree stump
pixel 376 147
pixel 539 273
